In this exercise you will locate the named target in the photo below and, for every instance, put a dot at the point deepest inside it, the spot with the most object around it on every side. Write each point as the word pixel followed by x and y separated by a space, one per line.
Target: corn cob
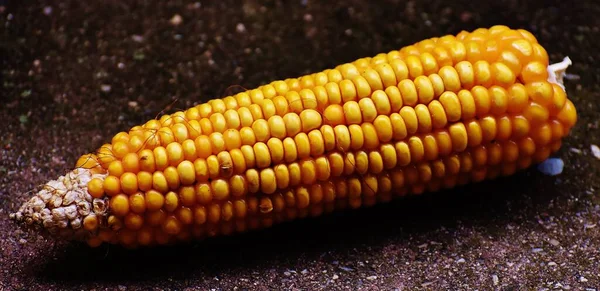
pixel 439 113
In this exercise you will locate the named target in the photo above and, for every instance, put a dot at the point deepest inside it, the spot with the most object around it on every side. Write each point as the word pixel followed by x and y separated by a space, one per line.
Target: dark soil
pixel 74 73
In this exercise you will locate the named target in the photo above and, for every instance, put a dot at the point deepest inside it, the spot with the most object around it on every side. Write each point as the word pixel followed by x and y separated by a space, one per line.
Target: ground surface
pixel 76 72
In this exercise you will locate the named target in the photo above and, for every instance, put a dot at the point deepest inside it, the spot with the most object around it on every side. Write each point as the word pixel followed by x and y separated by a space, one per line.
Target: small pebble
pixel 575 150
pixel 287 274
pixel 495 280
pixel 304 272
pixel 240 28
pixel 460 261
pixel 346 269
pixel 551 167
pixel 22 241
pixel 132 104
pixel 554 242
pixel 335 277
pixel 47 10
pixel 552 264
pixel 176 20
pixel 595 151
pixel 105 88
pixel 372 278
pixel 583 279
pixel 137 38
pixel 537 250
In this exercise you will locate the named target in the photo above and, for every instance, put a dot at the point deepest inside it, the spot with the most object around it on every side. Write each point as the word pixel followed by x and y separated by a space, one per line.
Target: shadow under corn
pixel 490 205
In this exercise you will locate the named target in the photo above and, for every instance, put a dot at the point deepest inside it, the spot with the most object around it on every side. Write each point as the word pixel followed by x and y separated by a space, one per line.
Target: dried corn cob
pixel 442 112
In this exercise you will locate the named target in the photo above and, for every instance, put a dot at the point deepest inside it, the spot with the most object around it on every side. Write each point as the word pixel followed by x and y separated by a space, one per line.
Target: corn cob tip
pixel 557 71
pixel 63 206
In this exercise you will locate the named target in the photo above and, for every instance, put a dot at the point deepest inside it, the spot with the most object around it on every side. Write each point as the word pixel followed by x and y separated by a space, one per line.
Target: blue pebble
pixel 551 167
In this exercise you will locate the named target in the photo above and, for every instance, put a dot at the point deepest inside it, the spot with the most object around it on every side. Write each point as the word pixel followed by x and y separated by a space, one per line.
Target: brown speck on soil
pixel 73 73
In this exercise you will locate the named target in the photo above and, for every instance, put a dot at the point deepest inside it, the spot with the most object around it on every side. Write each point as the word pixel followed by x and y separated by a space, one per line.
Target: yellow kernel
pixel 172 177
pixel 96 188
pixel 220 189
pixel 154 200
pixel 534 72
pixel 217 142
pixel 363 89
pixel 459 136
pixel 171 225
pixel 450 78
pixel 488 128
pixel 134 221
pixel 483 74
pixel 356 136
pixel 311 119
pixel 261 130
pixel 482 100
pixel 159 182
pixel 536 113
pixel 352 113
pixel 452 106
pixel 262 154
pixel 499 100
pixel 408 91
pixel 119 205
pixel 137 203
pixel 398 127
pixel 116 168
pixel 371 139
pixel 129 183
pixel 203 193
pixel 111 185
pixel 503 75
pixel 232 139
pixel 171 201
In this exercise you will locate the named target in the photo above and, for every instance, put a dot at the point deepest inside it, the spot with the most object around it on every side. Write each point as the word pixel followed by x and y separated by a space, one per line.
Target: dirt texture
pixel 73 73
